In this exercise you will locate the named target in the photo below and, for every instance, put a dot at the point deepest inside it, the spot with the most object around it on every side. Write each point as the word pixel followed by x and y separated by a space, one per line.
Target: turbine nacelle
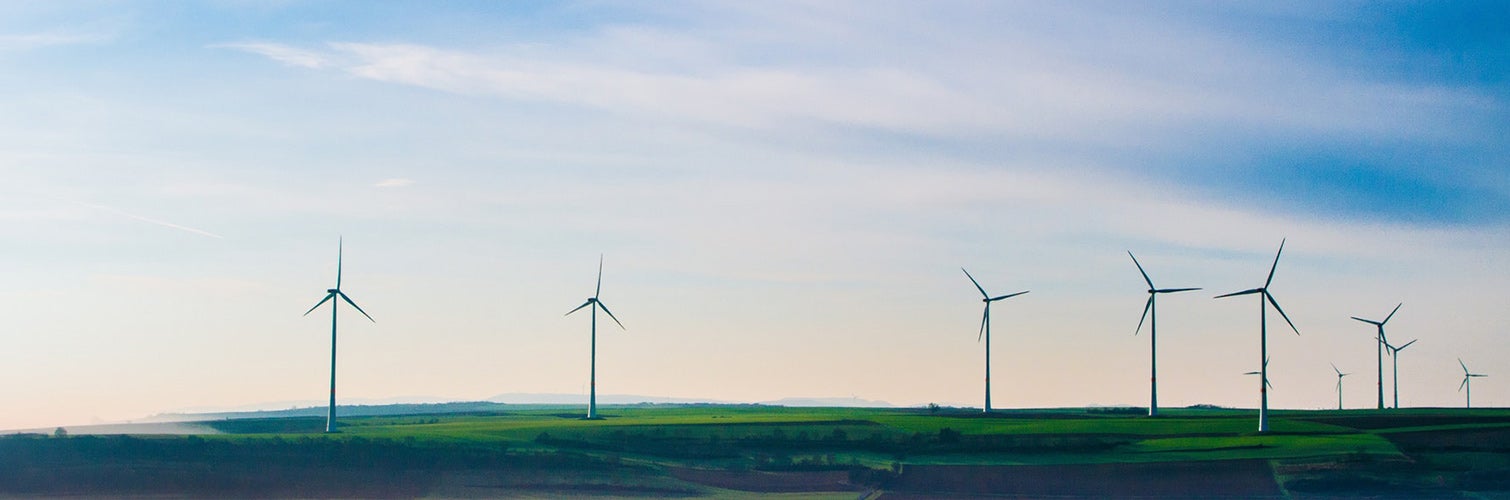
pixel 333 293
pixel 1380 324
pixel 1152 290
pixel 1266 380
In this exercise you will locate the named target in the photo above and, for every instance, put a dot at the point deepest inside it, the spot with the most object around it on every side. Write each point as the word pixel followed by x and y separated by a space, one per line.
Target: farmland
pixel 724 451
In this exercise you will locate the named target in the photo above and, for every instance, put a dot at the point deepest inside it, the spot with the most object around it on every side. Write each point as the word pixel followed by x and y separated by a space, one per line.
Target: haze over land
pixel 784 193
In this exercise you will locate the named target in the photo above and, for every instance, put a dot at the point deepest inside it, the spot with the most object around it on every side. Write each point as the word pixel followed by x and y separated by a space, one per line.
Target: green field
pixel 723 451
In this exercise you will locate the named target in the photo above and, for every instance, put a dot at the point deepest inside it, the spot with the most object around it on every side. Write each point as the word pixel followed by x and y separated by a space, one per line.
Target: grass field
pixel 738 451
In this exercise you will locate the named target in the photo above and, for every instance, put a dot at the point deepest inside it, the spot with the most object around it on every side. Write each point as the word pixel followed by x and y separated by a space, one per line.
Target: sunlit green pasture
pixel 728 436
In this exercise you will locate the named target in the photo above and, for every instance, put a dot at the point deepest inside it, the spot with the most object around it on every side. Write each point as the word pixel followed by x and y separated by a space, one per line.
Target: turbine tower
pixel 1379 326
pixel 1394 356
pixel 985 329
pixel 1467 376
pixel 592 391
pixel 1265 299
pixel 330 415
pixel 1151 313
pixel 1339 384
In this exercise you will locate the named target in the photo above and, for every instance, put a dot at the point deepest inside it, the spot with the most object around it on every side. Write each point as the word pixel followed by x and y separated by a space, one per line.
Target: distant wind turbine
pixel 1339 384
pixel 1467 377
pixel 1151 313
pixel 1263 335
pixel 1262 374
pixel 592 391
pixel 330 416
pixel 1379 328
pixel 985 329
pixel 1394 356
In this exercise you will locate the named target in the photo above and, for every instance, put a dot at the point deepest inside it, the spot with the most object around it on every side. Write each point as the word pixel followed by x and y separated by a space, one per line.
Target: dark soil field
pixel 1206 479
pixel 769 482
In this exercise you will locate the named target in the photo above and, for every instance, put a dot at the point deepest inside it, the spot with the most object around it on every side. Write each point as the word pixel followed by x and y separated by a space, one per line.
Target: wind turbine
pixel 1468 397
pixel 1394 356
pixel 592 392
pixel 1263 335
pixel 1265 377
pixel 985 329
pixel 330 416
pixel 1151 313
pixel 1379 325
pixel 1339 384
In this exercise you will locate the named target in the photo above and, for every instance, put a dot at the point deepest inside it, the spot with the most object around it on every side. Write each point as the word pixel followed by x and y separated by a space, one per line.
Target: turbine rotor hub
pixel 333 290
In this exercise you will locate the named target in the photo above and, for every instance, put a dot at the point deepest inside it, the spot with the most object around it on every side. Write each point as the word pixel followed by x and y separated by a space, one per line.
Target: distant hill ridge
pixel 501 402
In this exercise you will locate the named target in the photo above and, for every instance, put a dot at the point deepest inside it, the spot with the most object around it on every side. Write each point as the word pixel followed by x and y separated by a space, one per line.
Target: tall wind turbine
pixel 592 392
pixel 1265 299
pixel 1151 313
pixel 1339 384
pixel 1394 356
pixel 985 329
pixel 330 415
pixel 1379 326
pixel 1467 376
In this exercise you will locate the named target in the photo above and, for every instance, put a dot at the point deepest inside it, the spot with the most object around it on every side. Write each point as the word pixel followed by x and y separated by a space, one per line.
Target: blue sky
pixel 784 192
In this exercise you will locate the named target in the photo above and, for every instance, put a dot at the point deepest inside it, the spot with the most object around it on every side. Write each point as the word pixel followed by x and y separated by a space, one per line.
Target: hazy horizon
pixel 784 193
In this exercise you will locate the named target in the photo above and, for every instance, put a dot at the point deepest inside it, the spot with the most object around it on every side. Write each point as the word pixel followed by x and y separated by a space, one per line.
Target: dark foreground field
pixel 741 451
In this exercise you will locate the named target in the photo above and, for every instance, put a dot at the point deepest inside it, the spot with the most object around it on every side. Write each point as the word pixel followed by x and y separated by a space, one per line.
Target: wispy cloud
pixel 396 182
pixel 30 41
pixel 286 54
pixel 1005 87
pixel 150 220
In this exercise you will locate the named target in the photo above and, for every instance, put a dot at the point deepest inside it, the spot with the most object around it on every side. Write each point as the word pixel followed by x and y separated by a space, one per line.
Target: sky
pixel 783 194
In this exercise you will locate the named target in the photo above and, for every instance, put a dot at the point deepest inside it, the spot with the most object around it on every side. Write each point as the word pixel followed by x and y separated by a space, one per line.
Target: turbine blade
pixel 1334 368
pixel 1244 292
pixel 340 244
pixel 1146 306
pixel 1140 269
pixel 1251 373
pixel 1371 322
pixel 322 302
pixel 1266 383
pixel 1465 382
pixel 1282 314
pixel 1407 344
pixel 354 304
pixel 1007 296
pixel 1174 290
pixel 1465 367
pixel 610 314
pixel 985 318
pixel 599 290
pixel 1276 263
pixel 1391 314
pixel 584 304
pixel 977 284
